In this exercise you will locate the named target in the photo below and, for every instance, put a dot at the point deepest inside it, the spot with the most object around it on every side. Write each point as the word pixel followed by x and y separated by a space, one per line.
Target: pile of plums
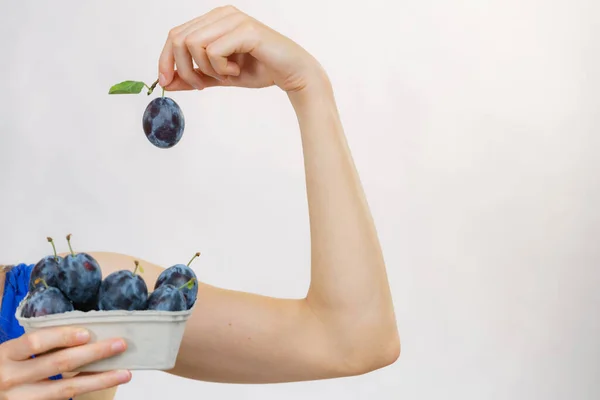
pixel 62 284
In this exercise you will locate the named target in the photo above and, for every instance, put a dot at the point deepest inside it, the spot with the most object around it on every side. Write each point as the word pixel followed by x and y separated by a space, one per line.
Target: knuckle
pixel 198 40
pixel 189 41
pixel 248 26
pixel 33 343
pixel 62 364
pixel 173 34
pixel 178 41
pixel 7 380
pixel 229 8
pixel 67 336
pixel 240 17
pixel 103 351
pixel 68 391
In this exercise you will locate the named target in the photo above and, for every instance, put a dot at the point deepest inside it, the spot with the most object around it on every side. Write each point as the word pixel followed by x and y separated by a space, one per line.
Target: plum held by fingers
pixel 162 121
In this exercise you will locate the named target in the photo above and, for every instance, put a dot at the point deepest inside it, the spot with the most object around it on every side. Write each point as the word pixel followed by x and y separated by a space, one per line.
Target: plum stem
pixel 188 284
pixel 163 92
pixel 53 247
pixel 151 88
pixel 69 242
pixel 193 258
pixel 38 280
pixel 137 266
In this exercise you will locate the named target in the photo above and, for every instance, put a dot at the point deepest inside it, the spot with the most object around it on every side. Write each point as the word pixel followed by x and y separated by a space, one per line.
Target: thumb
pixel 166 65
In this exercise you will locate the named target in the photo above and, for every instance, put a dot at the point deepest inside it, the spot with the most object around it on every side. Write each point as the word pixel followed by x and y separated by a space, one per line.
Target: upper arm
pixel 239 337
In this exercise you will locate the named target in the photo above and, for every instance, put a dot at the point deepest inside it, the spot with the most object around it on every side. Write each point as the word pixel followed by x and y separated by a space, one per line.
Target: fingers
pixel 64 361
pixel 167 61
pixel 43 341
pixel 71 388
pixel 242 39
pixel 201 59
pixel 185 65
pixel 197 40
pixel 166 64
pixel 178 84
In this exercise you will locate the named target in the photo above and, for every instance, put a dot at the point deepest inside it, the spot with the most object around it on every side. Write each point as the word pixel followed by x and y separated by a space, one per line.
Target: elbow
pixel 392 353
pixel 371 352
pixel 359 342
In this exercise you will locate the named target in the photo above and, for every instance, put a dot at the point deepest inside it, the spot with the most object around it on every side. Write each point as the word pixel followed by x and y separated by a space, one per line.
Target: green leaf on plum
pixel 127 87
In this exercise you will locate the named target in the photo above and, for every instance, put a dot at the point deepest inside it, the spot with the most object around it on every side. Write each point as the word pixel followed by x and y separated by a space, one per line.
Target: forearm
pixel 349 289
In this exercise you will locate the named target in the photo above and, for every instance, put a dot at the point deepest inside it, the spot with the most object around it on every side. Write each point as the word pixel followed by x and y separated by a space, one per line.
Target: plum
pixel 167 298
pixel 80 277
pixel 47 268
pixel 179 275
pixel 45 300
pixel 123 290
pixel 163 122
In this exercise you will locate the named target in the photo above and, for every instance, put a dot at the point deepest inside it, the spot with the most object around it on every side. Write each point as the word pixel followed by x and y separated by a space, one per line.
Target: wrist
pixel 316 93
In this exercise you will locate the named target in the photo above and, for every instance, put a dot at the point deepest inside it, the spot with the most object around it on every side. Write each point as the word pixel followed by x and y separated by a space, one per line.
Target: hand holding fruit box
pixel 70 291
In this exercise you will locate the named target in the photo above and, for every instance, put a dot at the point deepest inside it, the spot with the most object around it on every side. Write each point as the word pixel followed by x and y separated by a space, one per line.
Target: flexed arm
pixel 345 325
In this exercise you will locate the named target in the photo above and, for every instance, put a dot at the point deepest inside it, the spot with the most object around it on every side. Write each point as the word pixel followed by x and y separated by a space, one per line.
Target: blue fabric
pixel 15 290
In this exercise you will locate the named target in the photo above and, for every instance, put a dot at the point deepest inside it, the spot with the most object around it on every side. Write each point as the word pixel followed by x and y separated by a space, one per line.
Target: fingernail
pixel 162 80
pixel 123 376
pixel 198 86
pixel 118 346
pixel 82 335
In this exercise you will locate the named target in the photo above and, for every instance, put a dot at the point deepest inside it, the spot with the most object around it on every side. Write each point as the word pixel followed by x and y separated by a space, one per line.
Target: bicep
pixel 238 337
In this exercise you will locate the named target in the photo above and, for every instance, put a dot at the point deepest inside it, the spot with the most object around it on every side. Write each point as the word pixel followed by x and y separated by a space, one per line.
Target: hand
pixel 58 351
pixel 230 48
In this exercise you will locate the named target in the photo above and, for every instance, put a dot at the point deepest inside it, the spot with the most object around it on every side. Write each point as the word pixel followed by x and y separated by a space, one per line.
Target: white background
pixel 474 125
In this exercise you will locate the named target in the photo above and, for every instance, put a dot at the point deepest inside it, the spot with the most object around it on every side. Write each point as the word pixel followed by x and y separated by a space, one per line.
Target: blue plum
pixel 45 300
pixel 167 298
pixel 123 290
pixel 179 275
pixel 80 277
pixel 163 122
pixel 47 268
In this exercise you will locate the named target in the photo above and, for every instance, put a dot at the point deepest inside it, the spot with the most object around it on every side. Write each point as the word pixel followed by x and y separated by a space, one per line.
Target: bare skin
pixel 345 325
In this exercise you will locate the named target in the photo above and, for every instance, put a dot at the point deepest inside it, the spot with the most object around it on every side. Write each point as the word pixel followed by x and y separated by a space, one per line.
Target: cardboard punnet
pixel 153 337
